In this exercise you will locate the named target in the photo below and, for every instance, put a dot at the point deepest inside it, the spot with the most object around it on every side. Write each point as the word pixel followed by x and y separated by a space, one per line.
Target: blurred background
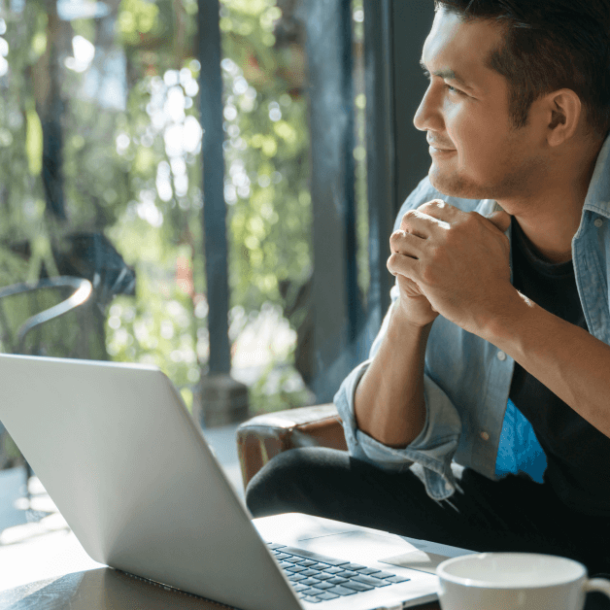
pixel 108 232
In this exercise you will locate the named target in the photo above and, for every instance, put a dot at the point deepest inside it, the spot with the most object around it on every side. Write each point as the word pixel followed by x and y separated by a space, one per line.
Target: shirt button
pixel 485 436
pixel 501 356
pixel 598 223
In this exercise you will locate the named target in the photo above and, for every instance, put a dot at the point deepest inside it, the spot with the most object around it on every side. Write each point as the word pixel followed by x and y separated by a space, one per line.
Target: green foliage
pixel 266 153
pixel 137 18
pixel 160 325
pixel 132 165
pixel 21 192
pixel 275 390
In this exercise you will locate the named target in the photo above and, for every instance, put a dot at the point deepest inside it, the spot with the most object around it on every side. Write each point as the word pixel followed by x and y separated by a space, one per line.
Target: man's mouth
pixel 434 150
pixel 436 147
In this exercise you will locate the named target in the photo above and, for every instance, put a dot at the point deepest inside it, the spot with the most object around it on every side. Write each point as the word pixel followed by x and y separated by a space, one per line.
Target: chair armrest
pixel 265 436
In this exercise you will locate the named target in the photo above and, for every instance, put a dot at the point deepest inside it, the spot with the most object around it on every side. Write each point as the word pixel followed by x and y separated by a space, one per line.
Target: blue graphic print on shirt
pixel 519 449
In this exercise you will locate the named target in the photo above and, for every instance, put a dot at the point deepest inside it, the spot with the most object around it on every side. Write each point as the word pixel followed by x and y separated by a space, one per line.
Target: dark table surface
pixel 106 589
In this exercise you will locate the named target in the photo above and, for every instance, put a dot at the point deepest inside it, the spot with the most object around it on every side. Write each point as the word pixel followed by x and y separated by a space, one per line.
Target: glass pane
pixel 100 174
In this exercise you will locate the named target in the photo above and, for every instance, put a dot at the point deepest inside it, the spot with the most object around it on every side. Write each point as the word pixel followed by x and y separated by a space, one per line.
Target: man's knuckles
pixel 396 263
pixel 396 240
pixel 407 220
pixel 436 207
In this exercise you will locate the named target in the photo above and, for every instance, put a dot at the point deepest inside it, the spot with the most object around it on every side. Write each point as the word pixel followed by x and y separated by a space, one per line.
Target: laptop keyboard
pixel 317 578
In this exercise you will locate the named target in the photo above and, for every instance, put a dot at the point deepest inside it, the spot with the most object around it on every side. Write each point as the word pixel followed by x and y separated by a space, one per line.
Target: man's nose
pixel 428 116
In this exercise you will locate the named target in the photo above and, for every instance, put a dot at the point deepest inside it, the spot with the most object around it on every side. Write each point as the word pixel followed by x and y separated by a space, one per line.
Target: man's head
pixel 549 45
pixel 513 97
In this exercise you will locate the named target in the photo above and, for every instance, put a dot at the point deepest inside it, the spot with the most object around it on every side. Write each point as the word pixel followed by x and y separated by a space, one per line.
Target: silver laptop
pixel 130 471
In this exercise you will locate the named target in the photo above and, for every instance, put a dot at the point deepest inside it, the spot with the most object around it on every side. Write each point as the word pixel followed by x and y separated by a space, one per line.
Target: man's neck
pixel 550 229
pixel 551 218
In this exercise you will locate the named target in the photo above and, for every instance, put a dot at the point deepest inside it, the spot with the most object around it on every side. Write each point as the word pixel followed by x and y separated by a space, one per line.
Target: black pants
pixel 513 514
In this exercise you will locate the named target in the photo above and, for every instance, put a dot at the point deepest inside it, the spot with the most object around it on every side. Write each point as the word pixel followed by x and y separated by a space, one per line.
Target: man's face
pixel 476 152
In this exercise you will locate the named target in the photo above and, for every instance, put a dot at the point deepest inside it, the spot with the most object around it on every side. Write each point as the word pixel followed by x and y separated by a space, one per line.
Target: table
pixel 106 589
pixel 53 572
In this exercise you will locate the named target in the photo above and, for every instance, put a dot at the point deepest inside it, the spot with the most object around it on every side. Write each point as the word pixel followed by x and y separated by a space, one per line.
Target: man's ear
pixel 563 113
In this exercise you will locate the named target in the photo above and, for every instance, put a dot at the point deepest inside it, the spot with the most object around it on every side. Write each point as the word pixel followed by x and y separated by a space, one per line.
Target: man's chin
pixel 452 185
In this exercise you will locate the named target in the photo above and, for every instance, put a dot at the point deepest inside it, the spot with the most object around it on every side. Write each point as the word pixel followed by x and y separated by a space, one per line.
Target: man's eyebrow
pixel 447 74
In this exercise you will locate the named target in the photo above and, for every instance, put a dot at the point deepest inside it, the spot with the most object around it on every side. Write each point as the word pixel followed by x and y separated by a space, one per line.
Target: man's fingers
pixel 500 219
pixel 439 209
pixel 401 264
pixel 442 211
pixel 425 220
pixel 404 242
pixel 409 287
pixel 421 224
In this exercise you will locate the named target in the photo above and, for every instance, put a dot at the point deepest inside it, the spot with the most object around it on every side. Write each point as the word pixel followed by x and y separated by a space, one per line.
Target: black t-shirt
pixel 578 455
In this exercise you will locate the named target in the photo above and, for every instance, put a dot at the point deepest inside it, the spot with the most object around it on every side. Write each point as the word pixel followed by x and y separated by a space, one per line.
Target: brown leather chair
pixel 265 436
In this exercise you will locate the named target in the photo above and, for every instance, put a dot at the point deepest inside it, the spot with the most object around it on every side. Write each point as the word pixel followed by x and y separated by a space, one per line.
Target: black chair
pixel 15 342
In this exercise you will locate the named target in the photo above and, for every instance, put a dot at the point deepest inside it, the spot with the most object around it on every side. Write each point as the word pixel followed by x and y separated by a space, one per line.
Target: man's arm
pixel 389 401
pixel 462 269
pixel 568 360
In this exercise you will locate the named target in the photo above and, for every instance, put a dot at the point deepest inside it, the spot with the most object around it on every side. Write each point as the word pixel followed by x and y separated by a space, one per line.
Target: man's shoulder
pixel 425 192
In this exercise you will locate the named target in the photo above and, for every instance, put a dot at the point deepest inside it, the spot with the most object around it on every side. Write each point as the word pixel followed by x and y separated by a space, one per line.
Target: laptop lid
pixel 131 473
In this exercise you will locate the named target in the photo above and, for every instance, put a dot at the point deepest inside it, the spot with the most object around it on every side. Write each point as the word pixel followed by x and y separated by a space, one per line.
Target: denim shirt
pixel 467 379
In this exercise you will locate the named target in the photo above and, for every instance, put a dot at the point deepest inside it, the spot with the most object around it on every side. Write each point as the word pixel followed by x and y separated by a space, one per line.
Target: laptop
pixel 132 474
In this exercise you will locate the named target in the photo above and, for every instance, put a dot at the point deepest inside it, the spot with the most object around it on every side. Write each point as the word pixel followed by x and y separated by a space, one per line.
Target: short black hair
pixel 549 45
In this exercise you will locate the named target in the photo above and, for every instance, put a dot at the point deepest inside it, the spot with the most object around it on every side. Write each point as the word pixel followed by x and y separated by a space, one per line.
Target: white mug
pixel 515 581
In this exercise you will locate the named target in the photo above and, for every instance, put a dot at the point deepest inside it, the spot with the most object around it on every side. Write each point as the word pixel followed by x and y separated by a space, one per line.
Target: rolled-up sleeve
pixel 435 446
pixel 432 450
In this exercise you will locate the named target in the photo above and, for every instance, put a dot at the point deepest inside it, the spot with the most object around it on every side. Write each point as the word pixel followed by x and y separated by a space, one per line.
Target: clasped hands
pixel 452 263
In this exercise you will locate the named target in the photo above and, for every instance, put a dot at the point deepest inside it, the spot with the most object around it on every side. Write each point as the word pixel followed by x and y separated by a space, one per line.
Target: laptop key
pixel 320 566
pixel 311 600
pixel 310 582
pixel 315 556
pixel 382 575
pixel 342 591
pixel 323 576
pixel 309 572
pixel 326 596
pixel 324 585
pixel 311 591
pixel 299 587
pixel 367 580
pixel 333 570
pixel 398 579
pixel 354 566
pixel 294 569
pixel 357 586
pixel 383 583
pixel 337 580
pixel 273 546
pixel 296 577
pixel 368 571
pixel 347 573
pixel 308 562
pixel 282 556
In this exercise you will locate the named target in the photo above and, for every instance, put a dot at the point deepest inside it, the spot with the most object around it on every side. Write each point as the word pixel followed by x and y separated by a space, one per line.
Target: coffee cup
pixel 515 581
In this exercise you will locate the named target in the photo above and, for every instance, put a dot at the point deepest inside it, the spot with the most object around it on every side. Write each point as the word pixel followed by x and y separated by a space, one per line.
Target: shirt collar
pixel 598 195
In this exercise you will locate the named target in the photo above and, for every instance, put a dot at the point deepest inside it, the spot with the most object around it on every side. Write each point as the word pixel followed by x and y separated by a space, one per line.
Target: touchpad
pixel 416 560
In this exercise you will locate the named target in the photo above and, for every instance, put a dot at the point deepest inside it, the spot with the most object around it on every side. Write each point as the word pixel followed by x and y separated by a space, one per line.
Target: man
pixel 495 351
